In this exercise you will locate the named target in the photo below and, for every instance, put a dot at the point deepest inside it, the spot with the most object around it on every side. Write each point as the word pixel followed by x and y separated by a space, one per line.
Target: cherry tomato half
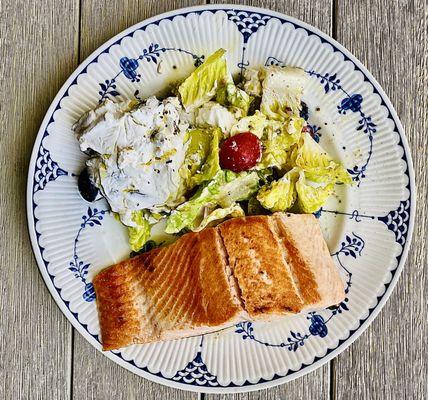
pixel 240 152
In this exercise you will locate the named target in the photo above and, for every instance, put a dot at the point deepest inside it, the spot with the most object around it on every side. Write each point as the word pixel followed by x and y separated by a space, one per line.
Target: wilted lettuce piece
pixel 311 198
pixel 254 207
pixel 210 164
pixel 213 114
pixel 224 190
pixel 252 83
pixel 239 188
pixel 140 233
pixel 278 144
pixel 280 195
pixel 202 84
pixel 201 162
pixel 254 123
pixel 231 95
pixel 282 91
pixel 218 215
pixel 317 163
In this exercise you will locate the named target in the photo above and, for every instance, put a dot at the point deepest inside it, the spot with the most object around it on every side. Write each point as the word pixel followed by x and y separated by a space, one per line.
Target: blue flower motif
pixel 352 103
pixel 129 67
pixel 89 293
pixel 318 326
pixel 78 267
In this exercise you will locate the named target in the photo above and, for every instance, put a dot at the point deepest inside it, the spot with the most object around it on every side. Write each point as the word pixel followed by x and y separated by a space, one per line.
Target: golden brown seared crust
pixel 256 260
pixel 154 296
pixel 278 265
pixel 300 267
pixel 217 300
pixel 119 317
pixel 316 275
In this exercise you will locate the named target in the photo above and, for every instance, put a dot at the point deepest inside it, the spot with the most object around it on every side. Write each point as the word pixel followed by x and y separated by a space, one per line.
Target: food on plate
pixel 213 150
pixel 249 268
pixel 240 152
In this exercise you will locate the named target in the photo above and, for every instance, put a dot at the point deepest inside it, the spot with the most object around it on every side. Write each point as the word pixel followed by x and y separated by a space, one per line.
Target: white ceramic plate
pixel 368 227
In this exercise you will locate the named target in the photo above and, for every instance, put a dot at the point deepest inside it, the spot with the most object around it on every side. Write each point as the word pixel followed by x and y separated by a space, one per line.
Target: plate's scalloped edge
pixel 262 383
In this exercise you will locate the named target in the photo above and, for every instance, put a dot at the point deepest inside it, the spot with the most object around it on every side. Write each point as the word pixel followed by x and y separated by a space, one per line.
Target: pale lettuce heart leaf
pixel 224 190
pixel 279 195
pixel 282 91
pixel 279 141
pixel 213 114
pixel 217 215
pixel 310 197
pixel 202 84
pixel 139 233
pixel 318 165
pixel 254 123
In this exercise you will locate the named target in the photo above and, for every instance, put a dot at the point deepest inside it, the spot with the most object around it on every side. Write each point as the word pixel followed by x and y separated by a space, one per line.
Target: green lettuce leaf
pixel 213 114
pixel 311 198
pixel 140 233
pixel 201 162
pixel 224 190
pixel 202 84
pixel 230 95
pixel 217 215
pixel 280 195
pixel 279 141
pixel 317 163
pixel 282 91
pixel 252 84
pixel 254 123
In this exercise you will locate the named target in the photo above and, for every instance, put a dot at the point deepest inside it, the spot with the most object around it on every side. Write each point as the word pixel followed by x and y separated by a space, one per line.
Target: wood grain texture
pixel 389 360
pixel 94 375
pixel 38 51
pixel 315 385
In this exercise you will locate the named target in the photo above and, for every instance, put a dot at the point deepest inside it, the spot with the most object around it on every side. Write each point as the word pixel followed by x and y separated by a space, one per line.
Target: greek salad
pixel 213 149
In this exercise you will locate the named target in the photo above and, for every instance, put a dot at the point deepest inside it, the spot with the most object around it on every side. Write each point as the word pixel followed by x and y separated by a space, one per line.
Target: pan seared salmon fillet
pixel 182 288
pixel 255 268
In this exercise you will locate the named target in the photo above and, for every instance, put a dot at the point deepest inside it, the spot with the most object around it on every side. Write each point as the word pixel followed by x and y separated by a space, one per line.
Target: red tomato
pixel 240 152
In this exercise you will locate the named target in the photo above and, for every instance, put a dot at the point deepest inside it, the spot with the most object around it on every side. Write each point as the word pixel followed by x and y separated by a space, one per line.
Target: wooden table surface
pixel 41 356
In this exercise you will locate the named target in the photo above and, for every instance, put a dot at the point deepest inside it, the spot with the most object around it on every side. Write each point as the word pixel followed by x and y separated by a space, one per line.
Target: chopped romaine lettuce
pixel 213 79
pixel 231 95
pixel 282 91
pixel 280 195
pixel 224 190
pixel 202 84
pixel 317 163
pixel 201 162
pixel 210 161
pixel 238 187
pixel 279 141
pixel 254 207
pixel 254 123
pixel 252 83
pixel 310 197
pixel 217 215
pixel 139 233
pixel 215 115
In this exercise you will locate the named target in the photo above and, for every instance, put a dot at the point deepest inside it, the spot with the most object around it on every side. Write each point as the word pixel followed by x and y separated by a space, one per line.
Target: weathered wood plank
pixel 316 384
pixel 38 51
pixel 389 360
pixel 94 375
